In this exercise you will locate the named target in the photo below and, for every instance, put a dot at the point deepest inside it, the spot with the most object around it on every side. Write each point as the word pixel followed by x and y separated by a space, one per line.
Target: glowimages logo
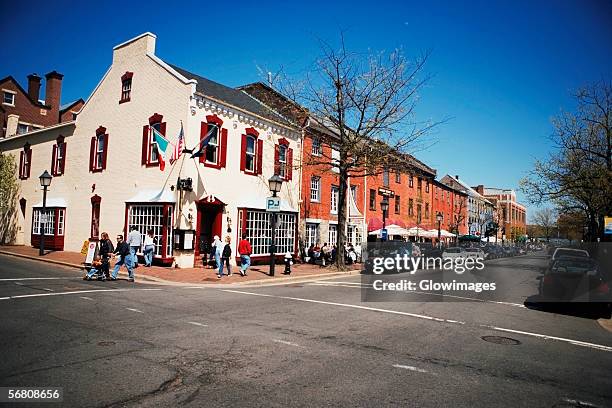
pixel 399 263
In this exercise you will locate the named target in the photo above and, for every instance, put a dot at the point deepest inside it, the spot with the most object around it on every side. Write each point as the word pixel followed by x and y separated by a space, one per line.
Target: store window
pixel 256 225
pixel 159 218
pixel 312 234
pixel 333 234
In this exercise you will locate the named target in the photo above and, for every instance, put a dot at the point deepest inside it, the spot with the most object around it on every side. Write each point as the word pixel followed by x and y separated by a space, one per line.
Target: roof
pixel 67 106
pixel 232 96
pixel 23 91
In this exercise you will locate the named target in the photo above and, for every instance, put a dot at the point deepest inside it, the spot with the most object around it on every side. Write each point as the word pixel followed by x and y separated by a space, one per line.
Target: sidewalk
pixel 256 273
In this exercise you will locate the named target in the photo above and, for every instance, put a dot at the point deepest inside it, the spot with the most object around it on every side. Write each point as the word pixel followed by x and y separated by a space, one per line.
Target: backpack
pixel 227 251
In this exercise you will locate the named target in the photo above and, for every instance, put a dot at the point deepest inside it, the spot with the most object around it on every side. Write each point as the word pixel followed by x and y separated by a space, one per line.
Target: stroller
pixel 99 270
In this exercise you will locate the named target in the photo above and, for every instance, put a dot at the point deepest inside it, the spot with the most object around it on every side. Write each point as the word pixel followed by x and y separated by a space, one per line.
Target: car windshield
pixel 473 250
pixel 573 265
pixel 571 252
pixel 453 250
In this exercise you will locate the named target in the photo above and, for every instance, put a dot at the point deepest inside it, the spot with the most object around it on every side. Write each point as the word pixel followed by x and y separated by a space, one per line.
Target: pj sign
pixel 273 204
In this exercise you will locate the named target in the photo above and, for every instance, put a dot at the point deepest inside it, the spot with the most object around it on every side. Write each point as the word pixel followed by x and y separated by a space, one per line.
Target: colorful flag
pixel 178 148
pixel 162 148
pixel 203 143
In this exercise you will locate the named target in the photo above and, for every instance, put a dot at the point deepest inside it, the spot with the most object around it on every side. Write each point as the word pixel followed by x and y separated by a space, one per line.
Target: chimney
pixel 34 86
pixel 456 177
pixel 480 189
pixel 53 92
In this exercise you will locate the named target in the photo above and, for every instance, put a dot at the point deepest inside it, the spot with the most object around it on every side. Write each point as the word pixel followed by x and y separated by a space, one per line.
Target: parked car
pixel 454 252
pixel 571 252
pixel 475 253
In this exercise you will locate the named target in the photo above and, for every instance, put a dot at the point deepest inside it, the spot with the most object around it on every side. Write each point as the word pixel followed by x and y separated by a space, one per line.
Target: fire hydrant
pixel 288 263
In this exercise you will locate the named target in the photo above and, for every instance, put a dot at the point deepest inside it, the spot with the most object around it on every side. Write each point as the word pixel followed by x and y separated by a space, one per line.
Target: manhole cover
pixel 501 340
pixel 106 343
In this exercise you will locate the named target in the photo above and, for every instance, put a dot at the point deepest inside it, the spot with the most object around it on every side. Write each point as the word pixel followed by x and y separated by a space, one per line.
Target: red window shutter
pixel 243 152
pixel 222 159
pixel 21 156
pixel 289 169
pixel 276 158
pixel 145 145
pixel 29 162
pixel 203 132
pixel 92 152
pixel 63 163
pixel 259 156
pixel 162 128
pixel 53 158
pixel 104 155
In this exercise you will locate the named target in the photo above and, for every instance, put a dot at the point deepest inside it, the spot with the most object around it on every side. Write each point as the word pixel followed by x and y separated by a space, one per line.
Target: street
pixel 305 344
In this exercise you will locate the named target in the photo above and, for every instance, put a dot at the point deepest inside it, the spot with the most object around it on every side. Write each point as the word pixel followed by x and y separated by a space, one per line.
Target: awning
pixel 153 196
pixel 374 224
pixel 259 203
pixel 392 230
pixel 52 202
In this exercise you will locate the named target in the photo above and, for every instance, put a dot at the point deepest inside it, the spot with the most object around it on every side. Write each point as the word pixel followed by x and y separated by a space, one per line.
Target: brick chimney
pixel 53 93
pixel 34 86
pixel 456 177
pixel 480 189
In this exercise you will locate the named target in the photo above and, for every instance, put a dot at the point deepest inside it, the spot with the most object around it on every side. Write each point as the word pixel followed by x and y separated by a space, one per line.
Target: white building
pixel 480 211
pixel 106 165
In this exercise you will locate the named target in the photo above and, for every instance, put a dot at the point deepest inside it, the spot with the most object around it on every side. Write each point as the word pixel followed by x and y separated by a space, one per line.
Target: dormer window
pixel 8 98
pixel 126 87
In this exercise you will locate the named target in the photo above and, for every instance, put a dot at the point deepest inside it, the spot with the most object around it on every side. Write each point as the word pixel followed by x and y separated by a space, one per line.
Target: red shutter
pixel 222 159
pixel 145 145
pixel 276 158
pixel 243 152
pixel 259 156
pixel 162 128
pixel 29 153
pixel 92 152
pixel 203 131
pixel 53 157
pixel 63 164
pixel 105 151
pixel 21 154
pixel 289 170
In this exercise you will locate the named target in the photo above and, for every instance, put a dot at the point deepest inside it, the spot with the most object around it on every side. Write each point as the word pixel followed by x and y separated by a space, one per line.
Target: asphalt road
pixel 303 344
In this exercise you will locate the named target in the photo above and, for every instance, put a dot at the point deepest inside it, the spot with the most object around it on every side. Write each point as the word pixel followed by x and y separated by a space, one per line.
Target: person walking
pixel 218 248
pixel 225 257
pixel 134 240
pixel 106 250
pixel 149 248
pixel 244 250
pixel 123 250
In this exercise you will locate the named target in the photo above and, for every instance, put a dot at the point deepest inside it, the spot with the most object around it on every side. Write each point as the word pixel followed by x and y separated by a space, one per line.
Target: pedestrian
pixel 204 250
pixel 106 250
pixel 311 254
pixel 123 250
pixel 134 240
pixel 149 247
pixel 96 266
pixel 212 263
pixel 225 257
pixel 218 245
pixel 244 250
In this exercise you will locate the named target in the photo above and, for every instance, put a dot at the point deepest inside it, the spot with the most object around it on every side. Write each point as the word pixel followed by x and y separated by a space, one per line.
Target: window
pixel 215 152
pixel 410 181
pixel 159 218
pixel 418 213
pixel 126 87
pixel 58 157
pixel 397 204
pixel 51 223
pixel 22 128
pixel 283 159
pixel 410 207
pixel 95 217
pixel 353 235
pixel 335 158
pixel 316 147
pixel 372 199
pixel 99 150
pixel 386 178
pixel 354 192
pixel 212 148
pixel 312 234
pixel 149 146
pixel 333 234
pixel 74 116
pixel 419 184
pixel 9 98
pixel 334 200
pixel 256 225
pixel 427 186
pixel 251 152
pixel 25 162
pixel 398 177
pixel 427 210
pixel 315 189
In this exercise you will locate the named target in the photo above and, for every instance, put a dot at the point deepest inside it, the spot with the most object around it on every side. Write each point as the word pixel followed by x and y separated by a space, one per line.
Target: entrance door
pixel 210 217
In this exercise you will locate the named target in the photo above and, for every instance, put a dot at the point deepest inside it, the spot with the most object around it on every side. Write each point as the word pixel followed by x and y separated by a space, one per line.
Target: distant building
pixel 511 215
pixel 480 211
pixel 22 112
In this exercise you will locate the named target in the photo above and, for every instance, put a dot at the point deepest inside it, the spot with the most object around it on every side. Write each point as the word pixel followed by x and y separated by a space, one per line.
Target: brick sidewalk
pixel 186 275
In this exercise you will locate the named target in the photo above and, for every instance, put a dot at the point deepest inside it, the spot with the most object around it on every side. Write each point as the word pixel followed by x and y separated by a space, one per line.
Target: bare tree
pixel 9 189
pixel 546 219
pixel 367 103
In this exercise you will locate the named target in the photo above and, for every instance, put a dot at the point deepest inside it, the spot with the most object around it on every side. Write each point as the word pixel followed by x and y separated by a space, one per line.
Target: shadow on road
pixel 577 309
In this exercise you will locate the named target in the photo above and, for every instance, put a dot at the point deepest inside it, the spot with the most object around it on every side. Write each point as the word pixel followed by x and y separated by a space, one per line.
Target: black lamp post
pixel 45 181
pixel 275 182
pixel 439 218
pixel 384 206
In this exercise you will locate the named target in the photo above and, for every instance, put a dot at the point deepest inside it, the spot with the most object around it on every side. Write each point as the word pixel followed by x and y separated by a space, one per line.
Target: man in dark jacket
pixel 123 250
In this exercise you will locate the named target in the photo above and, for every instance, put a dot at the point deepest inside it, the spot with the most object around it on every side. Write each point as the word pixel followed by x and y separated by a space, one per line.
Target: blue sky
pixel 500 70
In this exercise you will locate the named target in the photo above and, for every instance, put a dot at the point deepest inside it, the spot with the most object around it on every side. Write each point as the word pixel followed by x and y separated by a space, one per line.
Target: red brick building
pixel 21 111
pixel 452 204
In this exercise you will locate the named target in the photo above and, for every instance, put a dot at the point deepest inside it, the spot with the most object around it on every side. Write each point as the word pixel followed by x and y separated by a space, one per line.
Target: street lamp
pixel 384 206
pixel 275 182
pixel 439 218
pixel 45 181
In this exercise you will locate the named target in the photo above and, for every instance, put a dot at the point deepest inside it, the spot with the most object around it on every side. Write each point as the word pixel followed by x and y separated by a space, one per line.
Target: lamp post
pixel 384 206
pixel 275 182
pixel 45 181
pixel 439 219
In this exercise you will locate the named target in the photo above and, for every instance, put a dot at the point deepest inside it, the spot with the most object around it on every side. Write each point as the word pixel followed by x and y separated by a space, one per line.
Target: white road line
pixel 71 293
pixel 411 368
pixel 26 279
pixel 85 297
pixel 547 337
pixel 134 310
pixel 374 309
pixel 286 342
pixel 437 319
pixel 198 324
pixel 19 283
pixel 580 403
pixel 48 290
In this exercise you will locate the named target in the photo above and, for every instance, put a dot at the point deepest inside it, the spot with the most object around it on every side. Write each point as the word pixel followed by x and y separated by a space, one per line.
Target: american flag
pixel 178 147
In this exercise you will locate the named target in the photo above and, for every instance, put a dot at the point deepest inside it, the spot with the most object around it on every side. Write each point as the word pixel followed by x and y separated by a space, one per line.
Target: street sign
pixel 91 252
pixel 273 204
pixel 383 234
pixel 386 192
